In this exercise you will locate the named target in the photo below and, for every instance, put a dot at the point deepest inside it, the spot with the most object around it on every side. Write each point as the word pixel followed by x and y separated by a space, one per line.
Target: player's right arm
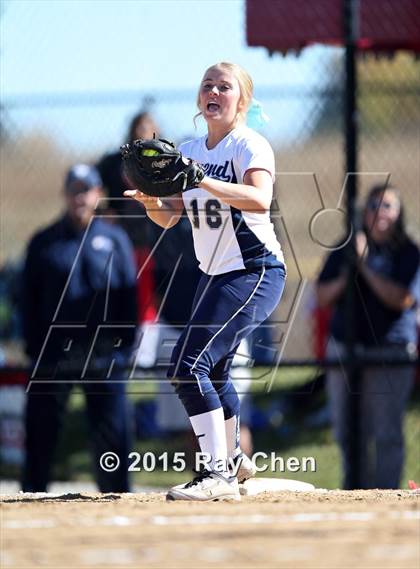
pixel 165 212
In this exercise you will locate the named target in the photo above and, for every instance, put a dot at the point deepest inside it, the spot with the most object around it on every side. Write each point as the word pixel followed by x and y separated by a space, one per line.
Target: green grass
pixel 301 442
pixel 286 439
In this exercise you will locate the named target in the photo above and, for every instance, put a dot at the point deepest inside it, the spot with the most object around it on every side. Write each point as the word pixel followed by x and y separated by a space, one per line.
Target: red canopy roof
pixel 384 25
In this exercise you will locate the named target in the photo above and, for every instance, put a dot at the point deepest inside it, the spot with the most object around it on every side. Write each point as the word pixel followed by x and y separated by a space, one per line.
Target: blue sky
pixel 94 46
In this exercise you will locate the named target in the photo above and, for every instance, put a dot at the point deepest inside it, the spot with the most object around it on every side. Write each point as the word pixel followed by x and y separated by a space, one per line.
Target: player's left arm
pixel 255 194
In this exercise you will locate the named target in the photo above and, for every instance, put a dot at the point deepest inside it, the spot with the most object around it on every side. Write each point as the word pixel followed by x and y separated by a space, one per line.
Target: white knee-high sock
pixel 232 436
pixel 209 428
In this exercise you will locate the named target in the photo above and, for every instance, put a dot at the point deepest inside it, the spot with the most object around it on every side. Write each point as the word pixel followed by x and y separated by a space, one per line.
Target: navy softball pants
pixel 226 309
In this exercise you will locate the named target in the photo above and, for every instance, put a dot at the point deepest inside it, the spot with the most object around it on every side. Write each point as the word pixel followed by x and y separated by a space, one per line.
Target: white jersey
pixel 225 238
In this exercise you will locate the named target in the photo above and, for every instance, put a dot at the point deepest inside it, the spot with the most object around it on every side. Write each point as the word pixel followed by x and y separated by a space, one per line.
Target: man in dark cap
pixel 79 317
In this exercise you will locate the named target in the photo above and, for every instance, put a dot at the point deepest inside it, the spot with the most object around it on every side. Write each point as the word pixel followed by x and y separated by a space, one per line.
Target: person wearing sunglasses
pixel 387 293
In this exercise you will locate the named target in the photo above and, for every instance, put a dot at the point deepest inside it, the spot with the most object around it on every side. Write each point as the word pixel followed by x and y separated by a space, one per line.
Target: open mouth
pixel 213 107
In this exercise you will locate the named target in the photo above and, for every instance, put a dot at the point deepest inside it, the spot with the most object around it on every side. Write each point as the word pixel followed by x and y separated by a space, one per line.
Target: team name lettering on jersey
pixel 226 238
pixel 219 172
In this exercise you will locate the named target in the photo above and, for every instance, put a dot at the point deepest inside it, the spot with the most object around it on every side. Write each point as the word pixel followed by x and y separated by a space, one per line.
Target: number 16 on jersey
pixel 211 211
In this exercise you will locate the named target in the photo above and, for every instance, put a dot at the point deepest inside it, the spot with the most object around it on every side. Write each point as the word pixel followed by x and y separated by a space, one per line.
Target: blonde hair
pixel 246 88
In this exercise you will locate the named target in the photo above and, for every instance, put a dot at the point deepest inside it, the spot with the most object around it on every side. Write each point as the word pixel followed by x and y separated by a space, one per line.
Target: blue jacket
pixel 79 292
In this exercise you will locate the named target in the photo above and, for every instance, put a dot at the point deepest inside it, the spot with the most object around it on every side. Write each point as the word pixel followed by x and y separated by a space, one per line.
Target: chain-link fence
pixel 42 135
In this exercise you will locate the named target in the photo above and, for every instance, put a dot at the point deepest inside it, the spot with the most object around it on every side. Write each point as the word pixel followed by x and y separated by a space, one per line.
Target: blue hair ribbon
pixel 256 117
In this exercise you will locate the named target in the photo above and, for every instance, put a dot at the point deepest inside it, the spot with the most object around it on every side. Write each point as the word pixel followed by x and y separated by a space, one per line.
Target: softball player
pixel 243 273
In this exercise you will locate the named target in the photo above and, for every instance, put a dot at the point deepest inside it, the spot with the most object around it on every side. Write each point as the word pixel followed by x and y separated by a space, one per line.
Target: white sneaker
pixel 207 486
pixel 243 467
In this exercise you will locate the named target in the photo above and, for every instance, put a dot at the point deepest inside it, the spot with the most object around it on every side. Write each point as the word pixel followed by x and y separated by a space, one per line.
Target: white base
pixel 255 486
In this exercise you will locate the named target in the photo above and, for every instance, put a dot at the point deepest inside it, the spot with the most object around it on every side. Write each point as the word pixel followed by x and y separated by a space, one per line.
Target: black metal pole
pixel 350 9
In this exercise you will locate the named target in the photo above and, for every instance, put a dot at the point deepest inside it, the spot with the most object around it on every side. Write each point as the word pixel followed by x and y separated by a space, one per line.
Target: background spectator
pixel 79 274
pixel 143 236
pixel 387 291
pixel 142 125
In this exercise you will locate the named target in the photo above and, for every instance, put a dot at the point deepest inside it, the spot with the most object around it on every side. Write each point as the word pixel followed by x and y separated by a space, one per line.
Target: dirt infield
pixel 333 529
